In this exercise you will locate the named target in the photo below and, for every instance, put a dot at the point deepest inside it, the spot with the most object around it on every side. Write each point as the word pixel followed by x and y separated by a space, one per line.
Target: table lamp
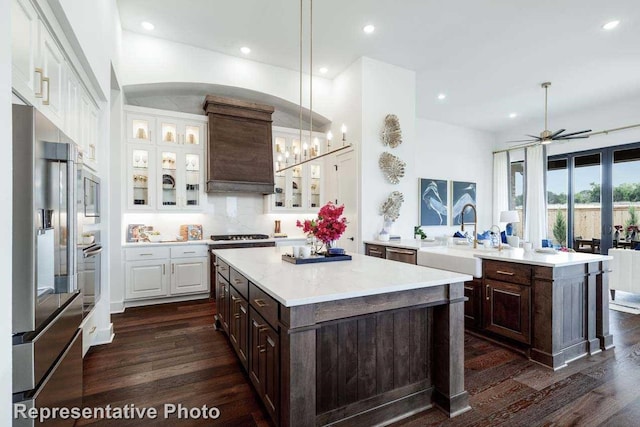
pixel 509 217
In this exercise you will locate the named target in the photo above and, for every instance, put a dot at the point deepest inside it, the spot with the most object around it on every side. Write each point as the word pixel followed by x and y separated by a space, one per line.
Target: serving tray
pixel 314 259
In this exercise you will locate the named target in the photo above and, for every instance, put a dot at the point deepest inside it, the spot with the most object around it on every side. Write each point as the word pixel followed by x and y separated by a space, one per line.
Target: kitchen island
pixel 555 304
pixel 553 307
pixel 363 342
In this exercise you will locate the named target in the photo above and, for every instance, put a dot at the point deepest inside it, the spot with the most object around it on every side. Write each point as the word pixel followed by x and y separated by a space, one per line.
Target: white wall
pixel 6 202
pixel 92 23
pixel 347 110
pixel 152 60
pixel 455 153
pixel 387 89
pixel 601 117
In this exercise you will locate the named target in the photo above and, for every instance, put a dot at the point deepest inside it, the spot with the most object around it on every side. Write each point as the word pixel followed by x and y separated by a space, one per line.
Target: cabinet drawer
pixel 146 253
pixel 188 251
pixel 508 272
pixel 408 256
pixel 375 250
pixel 223 268
pixel 264 304
pixel 239 282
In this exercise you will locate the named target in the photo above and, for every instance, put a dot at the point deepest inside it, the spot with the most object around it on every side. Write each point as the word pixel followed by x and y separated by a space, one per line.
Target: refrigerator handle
pixel 72 223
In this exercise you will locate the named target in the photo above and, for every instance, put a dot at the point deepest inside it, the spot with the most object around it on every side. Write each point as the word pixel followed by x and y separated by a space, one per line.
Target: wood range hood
pixel 240 154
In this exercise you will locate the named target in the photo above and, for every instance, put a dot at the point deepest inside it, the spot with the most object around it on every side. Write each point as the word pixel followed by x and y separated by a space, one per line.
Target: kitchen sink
pixel 459 259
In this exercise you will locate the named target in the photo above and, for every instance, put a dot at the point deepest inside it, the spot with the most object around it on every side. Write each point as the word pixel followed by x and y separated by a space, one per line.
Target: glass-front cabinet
pixel 298 188
pixel 165 157
pixel 140 180
pixel 140 128
pixel 180 180
pixel 180 132
pixel 168 194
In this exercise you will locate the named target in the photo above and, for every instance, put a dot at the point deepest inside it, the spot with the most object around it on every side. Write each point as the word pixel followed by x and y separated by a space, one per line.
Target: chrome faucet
pixel 475 224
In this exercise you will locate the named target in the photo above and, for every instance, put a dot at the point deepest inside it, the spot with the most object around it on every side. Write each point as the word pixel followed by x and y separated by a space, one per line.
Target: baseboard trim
pixel 104 336
pixel 166 300
pixel 116 307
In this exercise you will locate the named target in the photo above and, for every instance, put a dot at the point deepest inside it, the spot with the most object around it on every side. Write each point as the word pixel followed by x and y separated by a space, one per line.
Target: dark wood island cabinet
pixel 328 355
pixel 555 311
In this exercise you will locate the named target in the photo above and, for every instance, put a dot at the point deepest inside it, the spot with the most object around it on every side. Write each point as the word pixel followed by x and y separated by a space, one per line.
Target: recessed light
pixel 369 29
pixel 610 25
pixel 442 96
pixel 147 25
pixel 245 50
pixel 513 115
pixel 324 70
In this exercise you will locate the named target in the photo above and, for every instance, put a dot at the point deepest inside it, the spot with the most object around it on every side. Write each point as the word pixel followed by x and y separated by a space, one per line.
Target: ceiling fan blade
pixel 556 133
pixel 572 137
pixel 533 136
pixel 522 140
pixel 574 133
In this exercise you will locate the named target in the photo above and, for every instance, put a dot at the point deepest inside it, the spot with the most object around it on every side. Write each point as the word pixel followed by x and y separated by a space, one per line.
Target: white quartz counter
pixel 559 259
pixel 281 240
pixel 293 285
pixel 404 243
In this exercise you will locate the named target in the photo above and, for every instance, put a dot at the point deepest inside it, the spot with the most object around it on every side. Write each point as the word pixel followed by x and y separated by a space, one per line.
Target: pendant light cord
pixel 300 117
pixel 310 71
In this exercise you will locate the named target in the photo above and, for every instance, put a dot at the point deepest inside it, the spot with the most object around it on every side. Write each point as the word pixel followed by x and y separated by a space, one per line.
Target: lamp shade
pixel 509 216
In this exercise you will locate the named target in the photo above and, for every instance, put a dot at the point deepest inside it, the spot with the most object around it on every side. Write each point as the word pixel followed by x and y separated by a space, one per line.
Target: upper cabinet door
pixel 53 65
pixel 72 106
pixel 26 79
pixel 193 134
pixel 140 128
pixel 168 131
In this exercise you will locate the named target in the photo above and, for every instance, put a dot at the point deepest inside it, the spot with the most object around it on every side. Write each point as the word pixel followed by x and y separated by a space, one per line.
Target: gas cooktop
pixel 239 236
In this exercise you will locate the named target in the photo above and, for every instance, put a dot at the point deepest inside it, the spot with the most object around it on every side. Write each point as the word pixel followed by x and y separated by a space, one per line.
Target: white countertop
pixel 559 259
pixel 404 243
pixel 293 285
pixel 213 242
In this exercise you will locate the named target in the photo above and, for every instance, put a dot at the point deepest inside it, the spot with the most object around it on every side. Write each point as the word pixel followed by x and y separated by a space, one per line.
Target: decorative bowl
pixel 154 238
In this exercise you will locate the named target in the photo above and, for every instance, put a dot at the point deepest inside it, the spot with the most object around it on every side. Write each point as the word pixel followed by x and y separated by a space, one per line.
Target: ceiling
pixel 189 98
pixel 488 56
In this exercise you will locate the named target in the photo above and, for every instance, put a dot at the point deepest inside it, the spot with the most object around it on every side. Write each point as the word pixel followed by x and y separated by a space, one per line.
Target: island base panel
pixel 377 367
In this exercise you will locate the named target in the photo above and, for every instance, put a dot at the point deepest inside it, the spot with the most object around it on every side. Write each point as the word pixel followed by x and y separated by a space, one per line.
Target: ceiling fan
pixel 546 136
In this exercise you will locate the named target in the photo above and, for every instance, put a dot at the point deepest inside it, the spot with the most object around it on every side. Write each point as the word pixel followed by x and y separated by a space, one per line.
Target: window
pixel 516 194
pixel 557 199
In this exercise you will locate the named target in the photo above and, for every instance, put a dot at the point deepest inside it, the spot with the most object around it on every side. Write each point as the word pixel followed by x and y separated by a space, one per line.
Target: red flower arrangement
pixel 329 225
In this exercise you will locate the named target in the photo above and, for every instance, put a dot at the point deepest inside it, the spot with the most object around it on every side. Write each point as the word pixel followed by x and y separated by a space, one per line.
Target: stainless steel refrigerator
pixel 47 305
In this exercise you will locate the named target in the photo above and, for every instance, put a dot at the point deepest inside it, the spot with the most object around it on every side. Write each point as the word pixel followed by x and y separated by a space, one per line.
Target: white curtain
pixel 500 185
pixel 536 195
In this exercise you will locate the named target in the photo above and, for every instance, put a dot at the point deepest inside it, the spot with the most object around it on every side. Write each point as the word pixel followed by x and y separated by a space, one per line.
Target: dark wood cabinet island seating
pixel 365 341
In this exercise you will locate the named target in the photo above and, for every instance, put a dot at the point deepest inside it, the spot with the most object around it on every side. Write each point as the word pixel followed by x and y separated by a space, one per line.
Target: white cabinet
pixel 43 77
pixel 165 160
pixel 140 166
pixel 164 271
pixel 26 75
pixel 146 279
pixel 140 128
pixel 72 109
pixel 172 131
pixel 189 275
pixel 53 65
pixel 37 63
pixel 179 178
pixel 298 189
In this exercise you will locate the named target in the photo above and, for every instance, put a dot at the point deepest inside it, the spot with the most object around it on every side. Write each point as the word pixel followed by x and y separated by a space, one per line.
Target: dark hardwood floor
pixel 171 354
